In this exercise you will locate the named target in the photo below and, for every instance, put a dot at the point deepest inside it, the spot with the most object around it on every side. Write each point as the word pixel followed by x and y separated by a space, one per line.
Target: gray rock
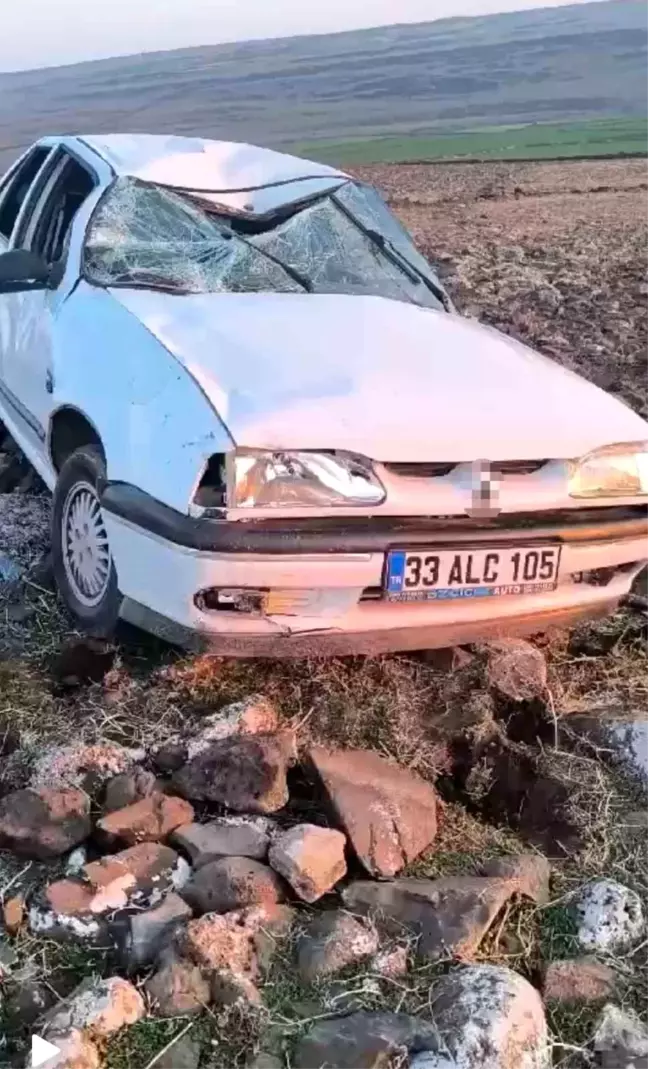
pixel 227 837
pixel 128 787
pixel 232 883
pixel 251 716
pixel 609 916
pixel 363 1040
pixel 97 1007
pixel 516 669
pixel 629 739
pixel 44 823
pixel 332 941
pixel 184 1054
pixel 148 932
pixel 246 773
pixel 620 1039
pixel 170 756
pixel 450 915
pixel 488 1017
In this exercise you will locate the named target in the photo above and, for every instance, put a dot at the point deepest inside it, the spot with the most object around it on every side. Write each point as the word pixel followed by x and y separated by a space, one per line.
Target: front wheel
pixel 83 565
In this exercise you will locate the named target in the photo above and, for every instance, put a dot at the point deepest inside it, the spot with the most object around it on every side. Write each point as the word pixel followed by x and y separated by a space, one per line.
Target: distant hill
pixel 586 61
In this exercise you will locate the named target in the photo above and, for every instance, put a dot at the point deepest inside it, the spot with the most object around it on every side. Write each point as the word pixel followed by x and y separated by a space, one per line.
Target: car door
pixel 44 227
pixel 14 190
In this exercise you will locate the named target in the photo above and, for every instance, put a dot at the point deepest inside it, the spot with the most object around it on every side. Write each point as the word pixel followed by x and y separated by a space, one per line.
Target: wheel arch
pixel 69 430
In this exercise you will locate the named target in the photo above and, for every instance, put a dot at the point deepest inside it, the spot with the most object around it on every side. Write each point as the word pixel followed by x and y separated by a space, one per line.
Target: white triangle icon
pixel 42 1052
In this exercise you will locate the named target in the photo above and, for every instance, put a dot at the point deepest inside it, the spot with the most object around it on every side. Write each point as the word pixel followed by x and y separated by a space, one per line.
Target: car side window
pixel 47 230
pixel 18 186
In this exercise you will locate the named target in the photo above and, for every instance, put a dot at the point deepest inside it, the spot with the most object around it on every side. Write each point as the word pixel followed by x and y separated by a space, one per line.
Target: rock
pixel 363 1041
pixel 450 915
pixel 170 756
pixel 30 1000
pixel 620 1039
pixel 85 660
pixel 142 872
pixel 530 873
pixel 184 1054
pixel 629 739
pixel 311 859
pixel 388 812
pixel 147 933
pixel 44 823
pixel 149 820
pixel 127 788
pixel 75 861
pixel 488 1017
pixel 226 837
pixel 233 948
pixel 139 876
pixel 13 914
pixel 609 916
pixel 252 716
pixel 332 941
pixel 231 883
pixel 178 988
pixel 75 1051
pixel 391 963
pixel 96 1007
pixel 579 980
pixel 83 766
pixel 516 669
pixel 246 773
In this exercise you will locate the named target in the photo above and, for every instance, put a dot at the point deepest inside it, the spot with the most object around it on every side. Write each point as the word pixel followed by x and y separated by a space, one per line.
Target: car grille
pixel 438 469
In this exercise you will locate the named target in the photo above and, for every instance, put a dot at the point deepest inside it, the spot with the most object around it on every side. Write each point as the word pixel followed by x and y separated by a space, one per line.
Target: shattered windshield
pixel 345 241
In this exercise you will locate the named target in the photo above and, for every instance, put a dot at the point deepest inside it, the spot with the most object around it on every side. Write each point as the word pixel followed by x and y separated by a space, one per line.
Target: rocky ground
pixel 195 870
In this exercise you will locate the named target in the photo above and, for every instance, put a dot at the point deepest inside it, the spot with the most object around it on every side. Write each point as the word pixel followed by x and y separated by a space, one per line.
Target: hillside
pixel 579 62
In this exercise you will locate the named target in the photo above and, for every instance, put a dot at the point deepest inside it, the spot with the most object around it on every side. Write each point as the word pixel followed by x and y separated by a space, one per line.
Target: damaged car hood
pixel 379 377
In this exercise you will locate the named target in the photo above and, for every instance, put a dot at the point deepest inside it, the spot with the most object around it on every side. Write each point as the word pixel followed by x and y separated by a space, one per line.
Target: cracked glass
pixel 342 242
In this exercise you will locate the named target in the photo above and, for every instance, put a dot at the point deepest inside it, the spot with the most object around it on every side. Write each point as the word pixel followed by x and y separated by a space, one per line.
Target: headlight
pixel 284 479
pixel 616 471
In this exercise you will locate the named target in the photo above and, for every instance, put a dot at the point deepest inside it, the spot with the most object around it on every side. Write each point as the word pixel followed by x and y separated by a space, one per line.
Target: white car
pixel 265 426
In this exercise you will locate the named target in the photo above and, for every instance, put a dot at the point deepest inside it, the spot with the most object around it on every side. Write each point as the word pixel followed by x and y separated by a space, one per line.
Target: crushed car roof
pixel 198 164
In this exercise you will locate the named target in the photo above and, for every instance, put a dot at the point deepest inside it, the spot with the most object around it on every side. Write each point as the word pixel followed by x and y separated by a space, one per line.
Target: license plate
pixel 444 574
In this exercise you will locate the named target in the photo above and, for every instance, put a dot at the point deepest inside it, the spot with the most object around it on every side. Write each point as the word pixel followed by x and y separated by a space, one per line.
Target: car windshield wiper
pixel 146 280
pixel 393 253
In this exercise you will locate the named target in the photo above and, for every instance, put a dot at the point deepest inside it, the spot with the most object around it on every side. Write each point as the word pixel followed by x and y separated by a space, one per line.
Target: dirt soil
pixel 555 254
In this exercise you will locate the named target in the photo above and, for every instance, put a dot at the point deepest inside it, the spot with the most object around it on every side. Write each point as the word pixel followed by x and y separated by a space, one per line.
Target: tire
pixel 83 567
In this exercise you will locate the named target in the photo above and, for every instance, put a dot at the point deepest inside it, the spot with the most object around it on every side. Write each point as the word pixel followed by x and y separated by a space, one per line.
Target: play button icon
pixel 42 1052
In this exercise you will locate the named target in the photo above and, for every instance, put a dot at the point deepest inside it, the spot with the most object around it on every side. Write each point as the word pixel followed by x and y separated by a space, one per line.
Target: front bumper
pixel 326 581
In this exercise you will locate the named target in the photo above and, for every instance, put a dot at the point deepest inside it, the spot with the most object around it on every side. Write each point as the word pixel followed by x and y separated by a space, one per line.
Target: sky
pixel 43 33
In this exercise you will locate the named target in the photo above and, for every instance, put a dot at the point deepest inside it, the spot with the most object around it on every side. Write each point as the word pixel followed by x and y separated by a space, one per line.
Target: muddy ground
pixel 555 254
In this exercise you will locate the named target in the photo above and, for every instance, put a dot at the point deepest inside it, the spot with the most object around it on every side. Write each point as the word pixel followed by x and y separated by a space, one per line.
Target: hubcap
pixel 86 553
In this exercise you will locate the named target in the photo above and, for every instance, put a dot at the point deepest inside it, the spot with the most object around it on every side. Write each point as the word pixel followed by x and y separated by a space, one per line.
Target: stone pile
pixel 189 864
